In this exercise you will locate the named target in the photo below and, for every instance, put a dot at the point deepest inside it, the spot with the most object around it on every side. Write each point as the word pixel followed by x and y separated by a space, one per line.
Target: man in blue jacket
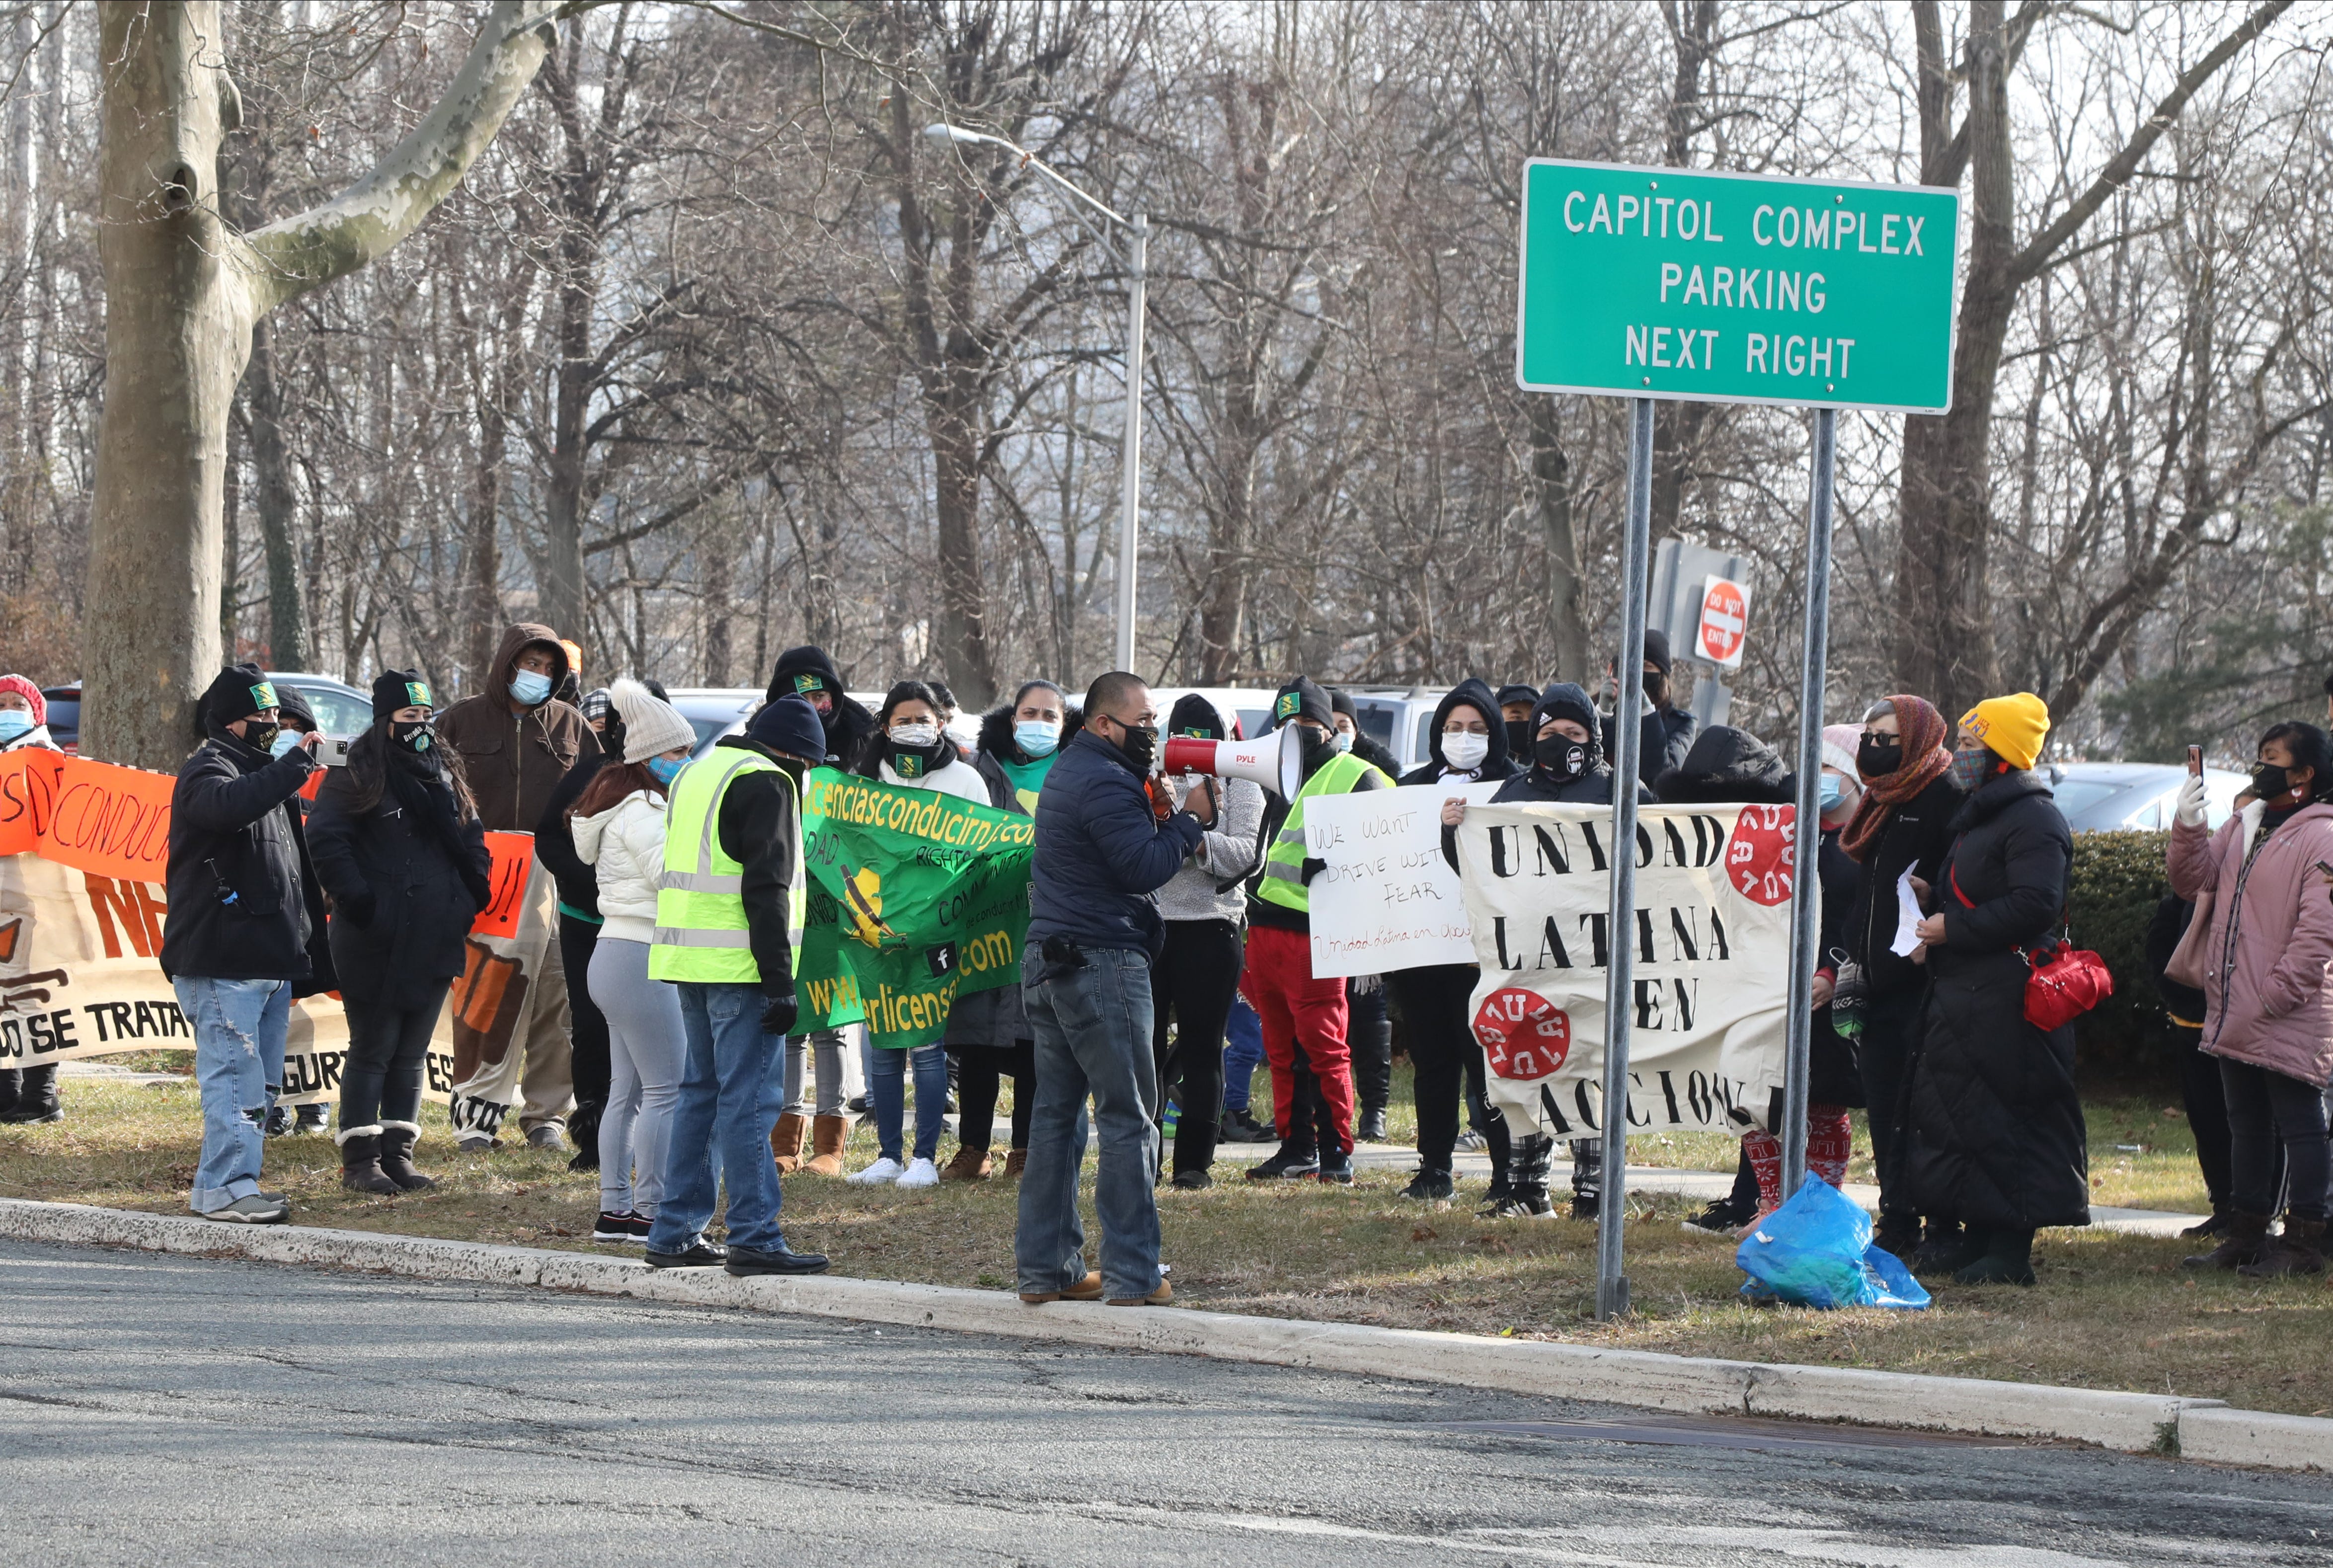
pixel 1101 849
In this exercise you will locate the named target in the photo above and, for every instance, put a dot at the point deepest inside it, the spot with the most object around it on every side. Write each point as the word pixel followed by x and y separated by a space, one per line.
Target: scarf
pixel 1925 760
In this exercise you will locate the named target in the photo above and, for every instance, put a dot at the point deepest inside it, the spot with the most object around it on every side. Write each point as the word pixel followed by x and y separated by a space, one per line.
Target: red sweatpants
pixel 1300 1015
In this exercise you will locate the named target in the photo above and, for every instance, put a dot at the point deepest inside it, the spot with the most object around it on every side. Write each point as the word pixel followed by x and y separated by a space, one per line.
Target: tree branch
pixel 2029 261
pixel 364 221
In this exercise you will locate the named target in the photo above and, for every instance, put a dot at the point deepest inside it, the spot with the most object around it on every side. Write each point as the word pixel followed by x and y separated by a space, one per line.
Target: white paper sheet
pixel 1907 917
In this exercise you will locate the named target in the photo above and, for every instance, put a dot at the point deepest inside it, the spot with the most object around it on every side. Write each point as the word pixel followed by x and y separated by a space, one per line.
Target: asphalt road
pixel 185 1411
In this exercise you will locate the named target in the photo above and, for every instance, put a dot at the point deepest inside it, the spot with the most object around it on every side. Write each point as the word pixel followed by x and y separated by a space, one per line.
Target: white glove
pixel 2191 801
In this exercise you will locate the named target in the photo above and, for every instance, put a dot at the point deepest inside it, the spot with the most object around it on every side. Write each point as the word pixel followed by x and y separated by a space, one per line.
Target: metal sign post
pixel 1620 977
pixel 1806 885
pixel 1727 288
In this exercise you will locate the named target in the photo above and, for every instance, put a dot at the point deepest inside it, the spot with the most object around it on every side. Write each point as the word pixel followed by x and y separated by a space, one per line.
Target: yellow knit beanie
pixel 2012 728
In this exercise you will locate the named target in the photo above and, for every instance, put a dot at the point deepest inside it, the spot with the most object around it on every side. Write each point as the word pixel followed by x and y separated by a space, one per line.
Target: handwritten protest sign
pixel 28 797
pixel 1712 940
pixel 112 821
pixel 1385 899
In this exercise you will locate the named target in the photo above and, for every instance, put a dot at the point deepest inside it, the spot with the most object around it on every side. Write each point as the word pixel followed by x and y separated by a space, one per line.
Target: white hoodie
pixel 624 845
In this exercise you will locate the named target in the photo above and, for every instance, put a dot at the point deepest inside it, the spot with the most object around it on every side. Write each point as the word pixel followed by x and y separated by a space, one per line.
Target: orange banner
pixel 28 797
pixel 514 859
pixel 113 821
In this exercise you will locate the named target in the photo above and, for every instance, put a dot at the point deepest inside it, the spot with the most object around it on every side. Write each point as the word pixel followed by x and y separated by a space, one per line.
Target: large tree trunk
pixel 182 292
pixel 1552 481
pixel 262 403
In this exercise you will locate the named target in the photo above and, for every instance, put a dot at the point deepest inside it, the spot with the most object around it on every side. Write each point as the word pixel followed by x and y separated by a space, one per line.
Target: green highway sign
pixel 1735 288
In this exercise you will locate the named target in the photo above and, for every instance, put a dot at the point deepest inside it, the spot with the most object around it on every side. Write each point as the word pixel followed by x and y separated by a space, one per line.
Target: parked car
pixel 2107 796
pixel 64 715
pixel 713 711
pixel 341 710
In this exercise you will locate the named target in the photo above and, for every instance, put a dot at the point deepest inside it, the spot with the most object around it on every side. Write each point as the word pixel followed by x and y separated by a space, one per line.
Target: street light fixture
pixel 1135 259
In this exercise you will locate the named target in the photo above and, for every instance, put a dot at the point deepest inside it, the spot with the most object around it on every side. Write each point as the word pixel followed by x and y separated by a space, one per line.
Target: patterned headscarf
pixel 1925 758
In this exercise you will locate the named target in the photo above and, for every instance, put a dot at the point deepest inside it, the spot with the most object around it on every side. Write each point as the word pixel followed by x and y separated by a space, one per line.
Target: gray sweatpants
pixel 645 1055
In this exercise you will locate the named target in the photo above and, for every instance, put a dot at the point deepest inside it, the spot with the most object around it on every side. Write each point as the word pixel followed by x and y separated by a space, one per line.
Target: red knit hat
pixel 30 693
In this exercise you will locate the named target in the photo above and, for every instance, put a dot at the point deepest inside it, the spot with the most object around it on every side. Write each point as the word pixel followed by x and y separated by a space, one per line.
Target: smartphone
pixel 2195 761
pixel 333 751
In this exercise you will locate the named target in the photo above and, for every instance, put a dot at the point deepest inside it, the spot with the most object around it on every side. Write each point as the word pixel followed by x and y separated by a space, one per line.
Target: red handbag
pixel 2070 984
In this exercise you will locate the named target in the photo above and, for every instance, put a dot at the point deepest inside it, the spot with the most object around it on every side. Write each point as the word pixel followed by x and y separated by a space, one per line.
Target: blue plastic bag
pixel 1816 1251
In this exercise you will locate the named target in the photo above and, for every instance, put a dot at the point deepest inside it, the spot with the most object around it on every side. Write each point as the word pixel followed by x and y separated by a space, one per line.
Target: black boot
pixel 397 1140
pixel 1944 1250
pixel 1527 1166
pixel 1586 1177
pixel 2242 1242
pixel 2007 1259
pixel 36 1097
pixel 1291 1161
pixel 2215 1225
pixel 360 1169
pixel 2300 1249
pixel 583 1128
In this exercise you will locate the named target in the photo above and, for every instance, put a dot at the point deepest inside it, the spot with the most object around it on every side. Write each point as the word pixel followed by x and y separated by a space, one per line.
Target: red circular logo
pixel 1758 859
pixel 1523 1034
pixel 1725 617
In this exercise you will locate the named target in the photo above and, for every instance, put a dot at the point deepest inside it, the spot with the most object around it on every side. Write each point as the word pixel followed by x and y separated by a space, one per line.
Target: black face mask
pixel 413 735
pixel 1140 745
pixel 1519 737
pixel 1318 752
pixel 1877 755
pixel 1657 686
pixel 260 737
pixel 1560 755
pixel 2270 781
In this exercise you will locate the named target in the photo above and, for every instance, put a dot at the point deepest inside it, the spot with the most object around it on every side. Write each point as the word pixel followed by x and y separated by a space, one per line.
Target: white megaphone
pixel 1276 762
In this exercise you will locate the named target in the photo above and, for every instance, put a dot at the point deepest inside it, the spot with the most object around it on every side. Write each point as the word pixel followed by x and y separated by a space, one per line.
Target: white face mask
pixel 915 735
pixel 1465 752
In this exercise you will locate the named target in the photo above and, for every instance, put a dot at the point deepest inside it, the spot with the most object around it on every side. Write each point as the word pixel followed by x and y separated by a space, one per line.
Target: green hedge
pixel 2118 879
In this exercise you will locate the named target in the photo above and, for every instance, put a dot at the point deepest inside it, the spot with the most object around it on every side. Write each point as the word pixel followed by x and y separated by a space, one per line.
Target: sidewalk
pixel 1708 1186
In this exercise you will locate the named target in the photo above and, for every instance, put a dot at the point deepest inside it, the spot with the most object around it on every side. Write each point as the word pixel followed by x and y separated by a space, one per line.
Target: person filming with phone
pixel 2269 1011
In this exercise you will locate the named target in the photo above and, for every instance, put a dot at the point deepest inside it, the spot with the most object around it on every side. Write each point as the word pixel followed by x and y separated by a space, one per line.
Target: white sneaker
pixel 923 1173
pixel 882 1171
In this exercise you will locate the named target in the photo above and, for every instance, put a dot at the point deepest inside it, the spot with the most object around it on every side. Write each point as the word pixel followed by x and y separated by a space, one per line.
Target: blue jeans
pixel 1092 1025
pixel 1242 1049
pixel 239 1028
pixel 887 1094
pixel 722 1102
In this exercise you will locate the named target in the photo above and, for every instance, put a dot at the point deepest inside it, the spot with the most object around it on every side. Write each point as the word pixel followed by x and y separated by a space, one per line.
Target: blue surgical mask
pixel 14 725
pixel 286 740
pixel 1344 740
pixel 667 768
pixel 1834 790
pixel 1036 737
pixel 529 688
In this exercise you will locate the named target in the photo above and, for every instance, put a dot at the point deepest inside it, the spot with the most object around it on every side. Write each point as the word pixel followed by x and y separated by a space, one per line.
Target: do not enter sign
pixel 1724 622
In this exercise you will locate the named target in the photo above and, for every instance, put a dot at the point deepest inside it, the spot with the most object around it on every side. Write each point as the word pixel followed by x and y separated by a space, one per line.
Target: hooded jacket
pixel 1534 783
pixel 1496 763
pixel 514 761
pixel 1363 746
pixel 2266 998
pixel 1993 1132
pixel 805 669
pixel 1725 764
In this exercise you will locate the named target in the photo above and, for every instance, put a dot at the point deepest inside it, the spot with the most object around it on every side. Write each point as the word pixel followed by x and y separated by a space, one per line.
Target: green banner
pixel 915 898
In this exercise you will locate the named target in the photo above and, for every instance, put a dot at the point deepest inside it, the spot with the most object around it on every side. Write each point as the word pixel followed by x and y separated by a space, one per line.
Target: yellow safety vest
pixel 1283 866
pixel 700 923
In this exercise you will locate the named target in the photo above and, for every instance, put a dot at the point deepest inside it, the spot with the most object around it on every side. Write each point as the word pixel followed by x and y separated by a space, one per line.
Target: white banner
pixel 1386 899
pixel 1712 943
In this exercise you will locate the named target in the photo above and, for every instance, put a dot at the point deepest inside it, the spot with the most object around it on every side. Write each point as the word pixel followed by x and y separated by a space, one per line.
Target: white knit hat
pixel 1839 744
pixel 650 725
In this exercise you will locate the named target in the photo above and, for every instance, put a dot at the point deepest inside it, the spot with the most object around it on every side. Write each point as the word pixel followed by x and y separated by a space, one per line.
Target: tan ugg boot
pixel 827 1136
pixel 785 1142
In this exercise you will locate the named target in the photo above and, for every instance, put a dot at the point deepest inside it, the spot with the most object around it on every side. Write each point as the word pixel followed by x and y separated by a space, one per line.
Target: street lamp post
pixel 1134 258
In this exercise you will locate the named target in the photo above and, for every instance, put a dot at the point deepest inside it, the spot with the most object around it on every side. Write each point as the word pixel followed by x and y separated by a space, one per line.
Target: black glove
pixel 779 1014
pixel 481 890
pixel 357 912
pixel 1311 869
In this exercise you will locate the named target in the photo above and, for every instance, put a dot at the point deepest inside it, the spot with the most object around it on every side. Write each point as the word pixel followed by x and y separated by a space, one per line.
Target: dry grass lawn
pixel 2112 1311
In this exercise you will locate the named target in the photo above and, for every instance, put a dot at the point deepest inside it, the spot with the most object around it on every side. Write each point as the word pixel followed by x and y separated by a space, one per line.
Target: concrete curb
pixel 2134 1423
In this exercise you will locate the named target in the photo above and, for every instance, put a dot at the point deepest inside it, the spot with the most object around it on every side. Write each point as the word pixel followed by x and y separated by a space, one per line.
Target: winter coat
pixel 514 761
pixel 1725 764
pixel 2182 1005
pixel 555 843
pixel 406 880
pixel 1993 1132
pixel 1101 852
pixel 624 847
pixel 848 724
pixel 1668 738
pixel 1496 763
pixel 2270 937
pixel 235 828
pixel 1832 1076
pixel 1916 835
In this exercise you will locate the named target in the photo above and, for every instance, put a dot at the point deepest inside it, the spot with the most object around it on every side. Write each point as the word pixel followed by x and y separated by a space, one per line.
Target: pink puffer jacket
pixel 2271 940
